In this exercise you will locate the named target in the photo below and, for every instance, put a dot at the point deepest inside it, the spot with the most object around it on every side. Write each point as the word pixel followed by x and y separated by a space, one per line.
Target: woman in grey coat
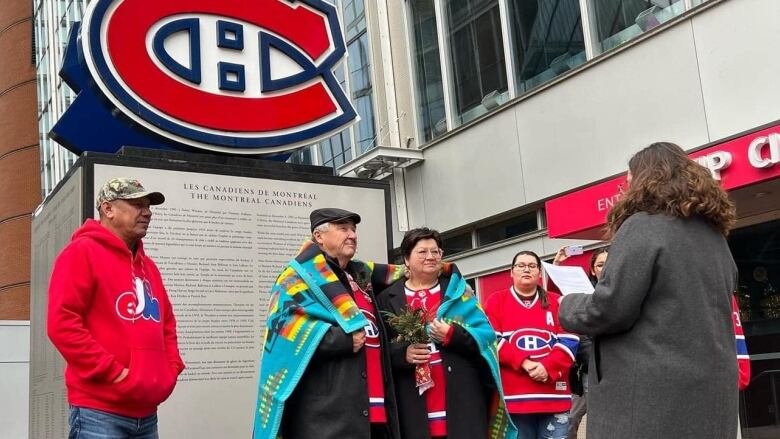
pixel 663 363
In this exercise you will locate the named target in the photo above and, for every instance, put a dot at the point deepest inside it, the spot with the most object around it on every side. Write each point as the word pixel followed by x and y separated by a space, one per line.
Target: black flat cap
pixel 331 215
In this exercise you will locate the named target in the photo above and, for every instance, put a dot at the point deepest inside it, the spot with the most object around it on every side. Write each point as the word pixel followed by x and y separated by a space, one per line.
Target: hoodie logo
pixel 133 305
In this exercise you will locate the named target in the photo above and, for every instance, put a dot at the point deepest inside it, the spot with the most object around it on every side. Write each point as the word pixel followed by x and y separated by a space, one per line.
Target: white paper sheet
pixel 569 279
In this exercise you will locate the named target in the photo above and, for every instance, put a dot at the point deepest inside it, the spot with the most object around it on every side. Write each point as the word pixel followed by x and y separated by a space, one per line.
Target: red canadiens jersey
pixel 743 359
pixel 525 330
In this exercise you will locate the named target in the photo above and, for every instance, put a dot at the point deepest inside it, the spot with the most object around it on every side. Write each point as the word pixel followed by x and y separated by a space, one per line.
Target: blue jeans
pixel 541 425
pixel 95 424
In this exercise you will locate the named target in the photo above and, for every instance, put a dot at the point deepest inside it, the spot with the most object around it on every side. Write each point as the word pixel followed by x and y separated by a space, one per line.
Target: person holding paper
pixel 661 314
pixel 578 376
pixel 534 352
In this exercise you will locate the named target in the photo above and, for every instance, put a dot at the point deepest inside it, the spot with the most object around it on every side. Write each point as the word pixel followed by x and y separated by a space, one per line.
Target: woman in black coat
pixel 458 409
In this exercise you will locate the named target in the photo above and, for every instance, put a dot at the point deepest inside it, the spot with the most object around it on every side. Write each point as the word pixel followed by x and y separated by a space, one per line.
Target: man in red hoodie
pixel 110 318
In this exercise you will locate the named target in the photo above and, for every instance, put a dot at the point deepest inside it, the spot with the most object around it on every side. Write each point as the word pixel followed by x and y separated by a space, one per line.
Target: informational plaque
pixel 220 241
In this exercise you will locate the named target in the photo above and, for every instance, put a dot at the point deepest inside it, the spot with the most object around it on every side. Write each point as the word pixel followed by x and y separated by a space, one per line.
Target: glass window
pixel 456 243
pixel 326 154
pixel 302 156
pixel 617 21
pixel 430 92
pixel 547 39
pixel 362 92
pixel 509 228
pixel 359 66
pixel 354 18
pixel 756 251
pixel 336 150
pixel 477 57
pixel 364 130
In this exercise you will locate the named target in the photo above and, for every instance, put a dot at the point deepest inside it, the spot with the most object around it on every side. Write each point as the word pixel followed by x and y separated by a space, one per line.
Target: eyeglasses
pixel 433 252
pixel 522 267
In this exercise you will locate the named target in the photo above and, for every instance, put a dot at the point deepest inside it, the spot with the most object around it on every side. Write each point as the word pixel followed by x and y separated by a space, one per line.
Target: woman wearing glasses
pixel 455 401
pixel 534 351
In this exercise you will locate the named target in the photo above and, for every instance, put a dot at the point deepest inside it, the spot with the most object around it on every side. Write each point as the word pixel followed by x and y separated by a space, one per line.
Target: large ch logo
pixel 246 76
pixel 535 342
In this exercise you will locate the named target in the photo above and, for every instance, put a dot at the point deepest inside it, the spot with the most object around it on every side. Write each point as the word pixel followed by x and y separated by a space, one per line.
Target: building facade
pixel 516 104
pixel 19 178
pixel 481 112
pixel 53 22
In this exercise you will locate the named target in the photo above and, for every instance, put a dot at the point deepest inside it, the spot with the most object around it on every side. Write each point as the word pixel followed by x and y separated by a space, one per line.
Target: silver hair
pixel 321 228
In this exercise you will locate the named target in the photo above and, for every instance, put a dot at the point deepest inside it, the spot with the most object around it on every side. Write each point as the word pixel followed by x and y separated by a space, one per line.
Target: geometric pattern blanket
pixel 306 300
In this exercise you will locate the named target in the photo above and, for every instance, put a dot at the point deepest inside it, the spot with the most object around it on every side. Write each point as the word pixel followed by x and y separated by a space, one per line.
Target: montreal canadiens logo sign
pixel 239 76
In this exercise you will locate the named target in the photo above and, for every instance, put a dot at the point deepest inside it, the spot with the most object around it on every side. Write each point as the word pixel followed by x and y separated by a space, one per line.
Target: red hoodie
pixel 108 310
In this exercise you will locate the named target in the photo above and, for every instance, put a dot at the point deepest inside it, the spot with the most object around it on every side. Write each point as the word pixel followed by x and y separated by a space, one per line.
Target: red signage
pixel 582 214
pixel 738 162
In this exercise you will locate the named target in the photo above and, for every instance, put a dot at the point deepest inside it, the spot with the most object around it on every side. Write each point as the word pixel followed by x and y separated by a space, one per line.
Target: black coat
pixel 331 399
pixel 469 385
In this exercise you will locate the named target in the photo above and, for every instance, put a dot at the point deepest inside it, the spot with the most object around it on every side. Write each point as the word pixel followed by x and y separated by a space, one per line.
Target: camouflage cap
pixel 126 189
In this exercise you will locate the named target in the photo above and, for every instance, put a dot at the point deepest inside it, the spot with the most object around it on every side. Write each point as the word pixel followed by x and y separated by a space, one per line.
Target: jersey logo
pixel 535 342
pixel 134 305
pixel 240 76
pixel 372 330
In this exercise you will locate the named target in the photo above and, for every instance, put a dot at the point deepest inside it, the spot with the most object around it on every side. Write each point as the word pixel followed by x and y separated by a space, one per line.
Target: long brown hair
pixel 665 180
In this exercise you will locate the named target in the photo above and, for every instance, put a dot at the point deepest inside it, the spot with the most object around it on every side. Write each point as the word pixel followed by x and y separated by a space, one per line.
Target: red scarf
pixel 435 397
pixel 374 378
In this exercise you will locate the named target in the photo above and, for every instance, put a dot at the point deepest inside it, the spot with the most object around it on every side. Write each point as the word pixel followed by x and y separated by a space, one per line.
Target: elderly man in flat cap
pixel 110 318
pixel 325 373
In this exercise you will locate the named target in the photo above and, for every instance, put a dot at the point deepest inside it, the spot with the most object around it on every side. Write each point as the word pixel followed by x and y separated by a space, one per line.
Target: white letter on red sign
pixel 754 151
pixel 715 162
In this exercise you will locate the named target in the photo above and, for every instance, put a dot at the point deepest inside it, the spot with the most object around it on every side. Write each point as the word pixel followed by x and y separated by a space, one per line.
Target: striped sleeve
pixel 743 359
pixel 568 343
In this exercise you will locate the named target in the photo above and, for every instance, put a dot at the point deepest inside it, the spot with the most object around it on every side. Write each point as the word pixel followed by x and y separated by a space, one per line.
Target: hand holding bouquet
pixel 412 327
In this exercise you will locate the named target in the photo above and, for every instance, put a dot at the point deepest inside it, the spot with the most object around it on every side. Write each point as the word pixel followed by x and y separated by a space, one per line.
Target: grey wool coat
pixel 664 357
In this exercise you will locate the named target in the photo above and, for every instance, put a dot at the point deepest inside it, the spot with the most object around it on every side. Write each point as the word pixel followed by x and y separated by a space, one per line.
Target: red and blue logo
pixel 134 305
pixel 236 76
pixel 534 342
